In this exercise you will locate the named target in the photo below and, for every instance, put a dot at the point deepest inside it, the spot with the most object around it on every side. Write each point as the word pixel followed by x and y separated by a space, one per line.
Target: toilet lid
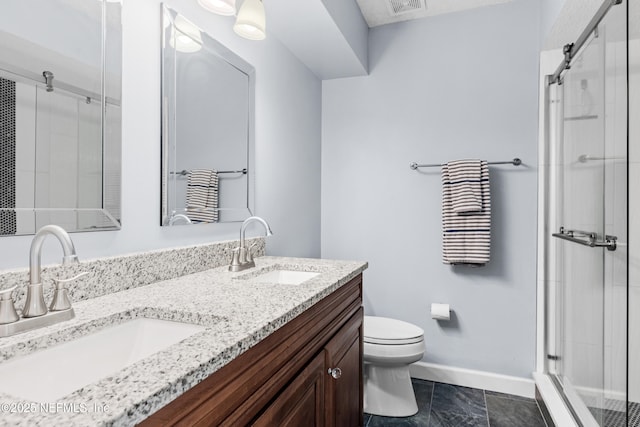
pixel 382 330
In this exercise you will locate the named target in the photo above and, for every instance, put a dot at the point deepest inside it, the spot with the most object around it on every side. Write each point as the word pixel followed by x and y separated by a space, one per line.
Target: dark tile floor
pixel 445 405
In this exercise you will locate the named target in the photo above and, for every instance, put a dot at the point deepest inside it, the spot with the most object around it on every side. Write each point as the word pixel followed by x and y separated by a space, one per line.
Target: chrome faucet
pixel 175 217
pixel 35 305
pixel 242 256
pixel 35 313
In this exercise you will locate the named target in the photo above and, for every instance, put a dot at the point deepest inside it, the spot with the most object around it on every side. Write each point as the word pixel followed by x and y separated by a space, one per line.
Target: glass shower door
pixel 580 341
pixel 588 358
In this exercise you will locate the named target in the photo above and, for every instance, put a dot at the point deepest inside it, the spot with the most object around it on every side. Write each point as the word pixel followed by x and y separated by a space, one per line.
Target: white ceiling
pixel 379 12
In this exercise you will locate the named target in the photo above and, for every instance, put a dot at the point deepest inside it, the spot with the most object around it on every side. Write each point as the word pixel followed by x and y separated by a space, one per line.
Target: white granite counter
pixel 238 312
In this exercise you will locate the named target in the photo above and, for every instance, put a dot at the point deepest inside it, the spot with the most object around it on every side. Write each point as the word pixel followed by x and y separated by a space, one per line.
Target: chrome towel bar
pixel 514 162
pixel 578 236
pixel 186 172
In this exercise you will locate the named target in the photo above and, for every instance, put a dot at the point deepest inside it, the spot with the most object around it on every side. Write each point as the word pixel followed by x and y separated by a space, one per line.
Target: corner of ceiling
pixel 329 36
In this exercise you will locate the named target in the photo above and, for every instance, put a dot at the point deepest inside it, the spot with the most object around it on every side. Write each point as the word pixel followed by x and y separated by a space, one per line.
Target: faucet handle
pixel 61 299
pixel 8 312
pixel 235 260
pixel 249 256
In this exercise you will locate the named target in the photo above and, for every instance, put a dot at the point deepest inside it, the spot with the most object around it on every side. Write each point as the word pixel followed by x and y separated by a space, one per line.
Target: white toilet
pixel 390 346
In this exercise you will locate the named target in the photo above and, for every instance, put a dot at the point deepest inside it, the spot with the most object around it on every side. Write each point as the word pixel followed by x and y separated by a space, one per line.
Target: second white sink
pixel 285 277
pixel 47 375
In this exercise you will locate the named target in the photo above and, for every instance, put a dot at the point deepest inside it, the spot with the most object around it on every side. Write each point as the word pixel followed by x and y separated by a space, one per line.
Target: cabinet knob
pixel 335 373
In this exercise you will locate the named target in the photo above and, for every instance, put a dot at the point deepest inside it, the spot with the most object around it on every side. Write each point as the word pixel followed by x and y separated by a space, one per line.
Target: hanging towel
pixel 465 185
pixel 466 232
pixel 202 196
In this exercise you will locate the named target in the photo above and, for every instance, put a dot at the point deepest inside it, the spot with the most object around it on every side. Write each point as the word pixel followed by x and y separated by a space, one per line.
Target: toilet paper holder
pixel 440 311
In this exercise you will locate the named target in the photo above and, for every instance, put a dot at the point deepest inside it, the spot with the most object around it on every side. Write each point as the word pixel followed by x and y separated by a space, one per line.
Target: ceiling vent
pixel 400 7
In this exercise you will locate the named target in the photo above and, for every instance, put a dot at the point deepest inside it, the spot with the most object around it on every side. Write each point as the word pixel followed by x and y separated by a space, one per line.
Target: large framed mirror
pixel 207 127
pixel 60 117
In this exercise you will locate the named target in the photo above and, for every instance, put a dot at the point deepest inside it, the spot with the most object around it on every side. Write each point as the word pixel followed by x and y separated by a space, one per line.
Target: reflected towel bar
pixel 514 162
pixel 186 172
pixel 609 242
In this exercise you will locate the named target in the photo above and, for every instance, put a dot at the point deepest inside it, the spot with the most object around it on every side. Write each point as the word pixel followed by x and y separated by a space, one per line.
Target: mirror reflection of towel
pixel 466 232
pixel 202 196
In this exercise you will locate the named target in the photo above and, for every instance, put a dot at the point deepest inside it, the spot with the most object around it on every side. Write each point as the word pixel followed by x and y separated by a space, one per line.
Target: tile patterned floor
pixel 445 405
pixel 614 414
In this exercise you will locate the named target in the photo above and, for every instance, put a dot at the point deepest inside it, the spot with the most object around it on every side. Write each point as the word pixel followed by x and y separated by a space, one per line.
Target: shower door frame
pixel 548 224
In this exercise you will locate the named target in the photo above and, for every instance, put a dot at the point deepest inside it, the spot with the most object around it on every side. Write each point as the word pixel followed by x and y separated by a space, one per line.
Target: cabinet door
pixel 301 403
pixel 343 358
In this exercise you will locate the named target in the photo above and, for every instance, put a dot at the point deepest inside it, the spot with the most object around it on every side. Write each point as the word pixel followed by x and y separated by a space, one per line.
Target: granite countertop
pixel 237 311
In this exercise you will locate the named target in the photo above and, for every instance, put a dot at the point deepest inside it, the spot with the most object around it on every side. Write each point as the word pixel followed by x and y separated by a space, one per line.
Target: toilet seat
pixel 385 331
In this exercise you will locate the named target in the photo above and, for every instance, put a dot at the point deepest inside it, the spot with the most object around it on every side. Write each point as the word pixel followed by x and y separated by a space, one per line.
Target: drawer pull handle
pixel 335 373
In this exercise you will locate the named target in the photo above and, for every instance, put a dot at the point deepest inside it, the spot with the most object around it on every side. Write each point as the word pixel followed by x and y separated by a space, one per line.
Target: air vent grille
pixel 399 7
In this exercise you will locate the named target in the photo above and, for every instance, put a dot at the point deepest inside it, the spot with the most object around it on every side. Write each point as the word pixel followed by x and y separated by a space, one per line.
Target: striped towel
pixel 465 185
pixel 466 212
pixel 202 196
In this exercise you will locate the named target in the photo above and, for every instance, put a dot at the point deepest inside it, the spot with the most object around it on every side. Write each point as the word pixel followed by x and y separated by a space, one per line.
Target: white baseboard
pixel 476 379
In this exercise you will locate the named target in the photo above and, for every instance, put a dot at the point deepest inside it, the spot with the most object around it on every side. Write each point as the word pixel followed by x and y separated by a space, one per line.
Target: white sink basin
pixel 285 277
pixel 47 375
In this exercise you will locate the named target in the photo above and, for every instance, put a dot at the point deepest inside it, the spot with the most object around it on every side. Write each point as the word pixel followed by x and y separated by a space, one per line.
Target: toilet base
pixel 388 391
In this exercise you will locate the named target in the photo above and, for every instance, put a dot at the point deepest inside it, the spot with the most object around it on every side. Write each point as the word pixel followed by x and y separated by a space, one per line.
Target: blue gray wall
pixel 549 12
pixel 454 86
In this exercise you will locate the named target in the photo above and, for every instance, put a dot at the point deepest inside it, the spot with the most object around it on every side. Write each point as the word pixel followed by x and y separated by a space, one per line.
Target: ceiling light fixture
pixel 250 22
pixel 185 37
pixel 221 7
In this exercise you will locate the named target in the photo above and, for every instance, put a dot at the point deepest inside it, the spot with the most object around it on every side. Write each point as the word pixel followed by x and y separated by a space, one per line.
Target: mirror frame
pixel 168 116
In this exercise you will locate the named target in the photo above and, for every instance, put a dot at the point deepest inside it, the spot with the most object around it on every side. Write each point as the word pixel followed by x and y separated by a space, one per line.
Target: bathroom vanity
pixel 280 344
pixel 307 373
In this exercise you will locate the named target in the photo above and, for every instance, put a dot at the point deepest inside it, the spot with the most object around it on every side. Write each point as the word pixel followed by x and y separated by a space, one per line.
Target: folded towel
pixel 202 196
pixel 465 185
pixel 466 233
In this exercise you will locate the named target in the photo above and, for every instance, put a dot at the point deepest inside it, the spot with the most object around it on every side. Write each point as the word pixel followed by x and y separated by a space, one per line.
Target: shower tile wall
pixel 615 272
pixel 634 205
pixel 25 153
pixel 7 155
pixel 47 130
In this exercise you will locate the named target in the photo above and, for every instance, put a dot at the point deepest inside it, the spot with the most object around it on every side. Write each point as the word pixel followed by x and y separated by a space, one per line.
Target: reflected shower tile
pixel 619 264
pixel 25 182
pixel 583 289
pixel 634 343
pixel 584 365
pixel 617 211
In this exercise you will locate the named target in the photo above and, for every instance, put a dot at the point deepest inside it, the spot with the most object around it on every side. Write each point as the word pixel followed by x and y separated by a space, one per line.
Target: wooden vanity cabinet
pixel 301 403
pixel 343 355
pixel 307 373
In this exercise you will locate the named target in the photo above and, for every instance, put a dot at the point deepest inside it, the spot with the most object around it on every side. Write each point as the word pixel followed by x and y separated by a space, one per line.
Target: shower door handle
pixel 587 238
